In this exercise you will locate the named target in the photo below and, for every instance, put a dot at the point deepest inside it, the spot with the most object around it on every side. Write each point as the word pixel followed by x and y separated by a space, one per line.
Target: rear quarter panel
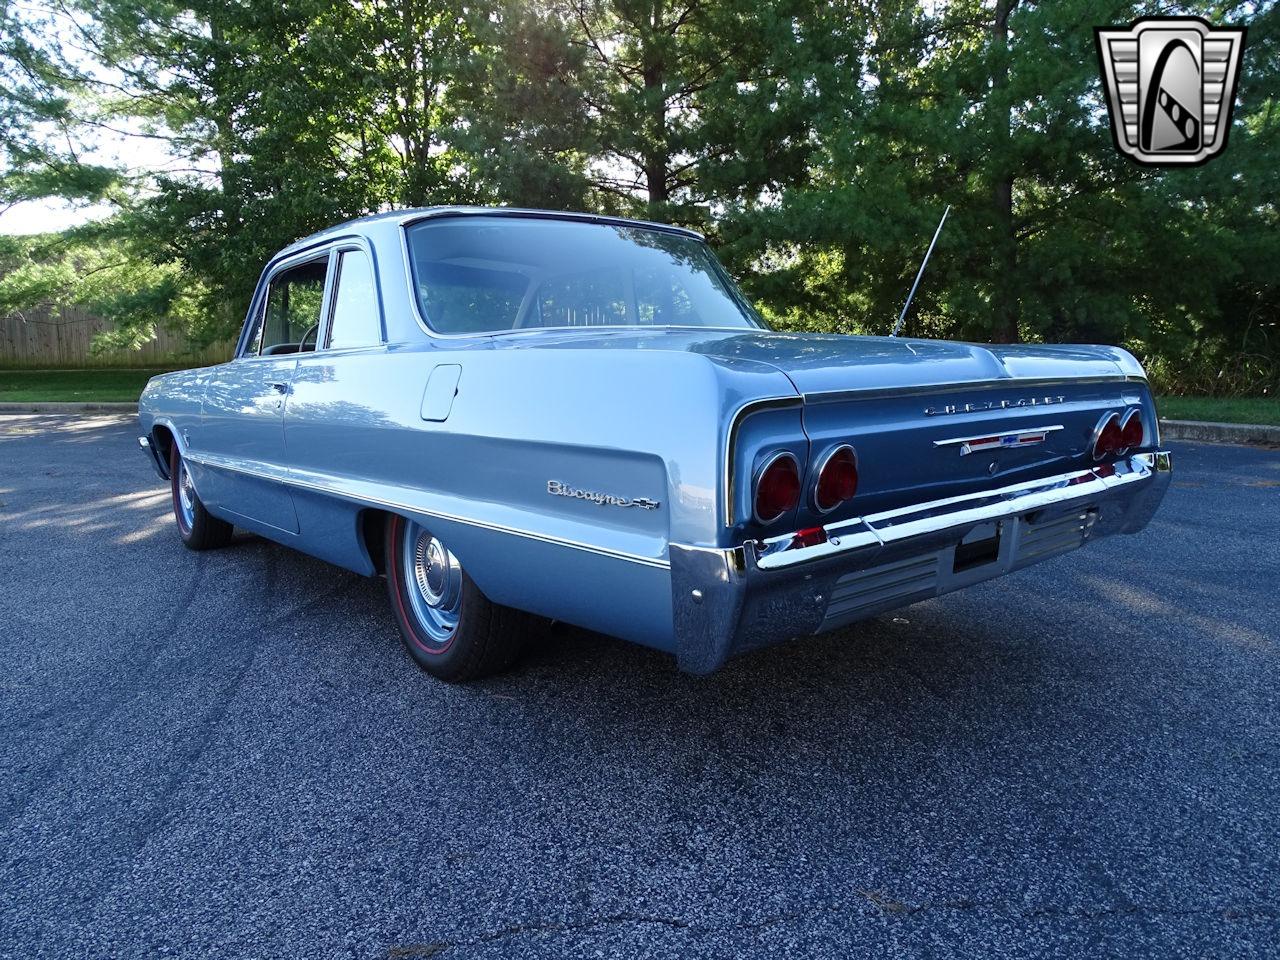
pixel 627 424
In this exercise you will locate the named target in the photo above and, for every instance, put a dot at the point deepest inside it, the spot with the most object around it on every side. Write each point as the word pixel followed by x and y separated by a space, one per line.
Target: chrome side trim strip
pixel 322 483
pixel 252 468
pixel 411 217
pixel 884 393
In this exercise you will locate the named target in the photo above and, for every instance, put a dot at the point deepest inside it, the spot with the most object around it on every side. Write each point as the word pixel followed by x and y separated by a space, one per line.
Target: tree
pixel 995 107
pixel 523 128
pixel 816 144
pixel 39 128
pixel 693 101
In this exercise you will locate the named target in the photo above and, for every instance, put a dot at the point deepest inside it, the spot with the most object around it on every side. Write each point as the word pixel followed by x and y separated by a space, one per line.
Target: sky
pixel 43 216
pixel 136 155
pixel 123 147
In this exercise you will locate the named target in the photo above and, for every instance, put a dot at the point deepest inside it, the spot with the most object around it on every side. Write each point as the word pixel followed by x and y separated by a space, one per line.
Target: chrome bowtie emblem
pixel 999 441
pixel 558 489
pixel 1171 83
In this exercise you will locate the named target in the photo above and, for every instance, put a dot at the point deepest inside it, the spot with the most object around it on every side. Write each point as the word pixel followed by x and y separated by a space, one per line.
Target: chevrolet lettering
pixel 973 407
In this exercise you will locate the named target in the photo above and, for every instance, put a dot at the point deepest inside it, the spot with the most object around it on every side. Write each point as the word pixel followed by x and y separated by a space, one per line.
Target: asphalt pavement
pixel 230 755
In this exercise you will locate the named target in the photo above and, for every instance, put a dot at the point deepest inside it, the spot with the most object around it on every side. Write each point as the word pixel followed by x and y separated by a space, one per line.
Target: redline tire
pixel 451 629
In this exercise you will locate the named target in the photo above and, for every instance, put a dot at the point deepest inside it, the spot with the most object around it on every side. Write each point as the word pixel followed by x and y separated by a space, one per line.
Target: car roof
pixel 406 216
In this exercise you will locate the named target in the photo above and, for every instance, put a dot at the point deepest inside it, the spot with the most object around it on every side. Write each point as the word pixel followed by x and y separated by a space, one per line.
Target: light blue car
pixel 518 416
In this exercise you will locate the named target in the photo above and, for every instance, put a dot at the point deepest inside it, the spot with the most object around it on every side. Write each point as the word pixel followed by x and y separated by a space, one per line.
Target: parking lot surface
pixel 229 754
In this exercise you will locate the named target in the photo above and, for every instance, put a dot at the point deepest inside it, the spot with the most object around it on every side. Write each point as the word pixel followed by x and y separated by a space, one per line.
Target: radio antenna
pixel 902 317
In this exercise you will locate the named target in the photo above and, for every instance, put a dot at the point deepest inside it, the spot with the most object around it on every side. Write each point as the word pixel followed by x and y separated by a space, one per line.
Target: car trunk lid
pixel 933 419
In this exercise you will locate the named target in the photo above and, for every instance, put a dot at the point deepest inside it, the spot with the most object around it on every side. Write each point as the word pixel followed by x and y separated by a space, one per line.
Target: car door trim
pixel 326 250
pixel 334 486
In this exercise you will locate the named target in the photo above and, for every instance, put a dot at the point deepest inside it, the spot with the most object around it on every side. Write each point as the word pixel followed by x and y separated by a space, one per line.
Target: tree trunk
pixel 227 175
pixel 1005 244
pixel 656 156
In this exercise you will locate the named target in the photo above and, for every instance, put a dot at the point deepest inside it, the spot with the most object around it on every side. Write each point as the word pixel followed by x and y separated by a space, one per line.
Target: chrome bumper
pixel 727 601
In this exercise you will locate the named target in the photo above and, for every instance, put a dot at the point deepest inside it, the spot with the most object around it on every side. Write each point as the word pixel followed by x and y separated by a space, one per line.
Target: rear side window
pixel 355 320
pixel 290 318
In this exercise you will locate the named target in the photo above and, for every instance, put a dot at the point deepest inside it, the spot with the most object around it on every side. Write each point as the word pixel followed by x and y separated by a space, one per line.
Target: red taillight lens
pixel 838 480
pixel 1110 438
pixel 1131 433
pixel 778 488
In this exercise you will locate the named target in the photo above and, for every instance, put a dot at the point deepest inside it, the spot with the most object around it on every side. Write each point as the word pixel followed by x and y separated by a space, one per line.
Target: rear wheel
pixel 450 628
pixel 200 529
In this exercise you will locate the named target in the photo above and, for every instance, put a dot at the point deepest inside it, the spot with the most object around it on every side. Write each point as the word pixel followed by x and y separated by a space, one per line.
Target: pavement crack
pixel 520 929
pixel 1229 911
pixel 882 904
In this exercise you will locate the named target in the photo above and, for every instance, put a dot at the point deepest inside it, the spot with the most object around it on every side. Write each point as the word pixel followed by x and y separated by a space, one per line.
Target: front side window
pixel 290 318
pixel 486 274
pixel 355 320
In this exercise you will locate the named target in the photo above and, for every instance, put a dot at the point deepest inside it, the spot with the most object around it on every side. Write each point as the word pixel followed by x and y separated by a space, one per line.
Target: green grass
pixel 1264 410
pixel 83 386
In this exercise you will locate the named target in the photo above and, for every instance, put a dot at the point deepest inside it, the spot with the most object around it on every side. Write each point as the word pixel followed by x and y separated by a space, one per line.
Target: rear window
pixel 478 274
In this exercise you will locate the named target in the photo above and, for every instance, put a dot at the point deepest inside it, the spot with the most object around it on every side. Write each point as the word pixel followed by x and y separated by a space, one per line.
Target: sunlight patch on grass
pixel 75 386
pixel 1261 410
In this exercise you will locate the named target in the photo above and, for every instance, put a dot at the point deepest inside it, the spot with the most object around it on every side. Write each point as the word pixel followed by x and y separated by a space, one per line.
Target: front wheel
pixel 450 628
pixel 200 529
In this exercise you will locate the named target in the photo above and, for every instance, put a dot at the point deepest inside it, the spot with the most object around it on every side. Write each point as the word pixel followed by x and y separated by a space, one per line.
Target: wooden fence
pixel 34 340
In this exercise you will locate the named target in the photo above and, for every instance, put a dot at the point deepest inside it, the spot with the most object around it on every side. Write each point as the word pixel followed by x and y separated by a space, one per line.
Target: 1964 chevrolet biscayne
pixel 517 415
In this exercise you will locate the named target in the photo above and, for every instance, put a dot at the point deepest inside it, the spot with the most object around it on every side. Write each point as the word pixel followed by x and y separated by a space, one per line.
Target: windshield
pixel 482 274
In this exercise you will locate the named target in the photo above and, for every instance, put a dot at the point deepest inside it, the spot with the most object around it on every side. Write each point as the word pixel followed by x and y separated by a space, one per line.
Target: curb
pixel 68 407
pixel 1219 432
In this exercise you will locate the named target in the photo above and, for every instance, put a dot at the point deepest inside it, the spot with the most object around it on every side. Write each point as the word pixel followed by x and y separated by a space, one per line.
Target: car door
pixel 245 400
pixel 340 407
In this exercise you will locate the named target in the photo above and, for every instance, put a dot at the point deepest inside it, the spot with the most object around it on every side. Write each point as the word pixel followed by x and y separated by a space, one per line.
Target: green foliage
pixel 953 107
pixel 38 124
pixel 104 278
pixel 816 143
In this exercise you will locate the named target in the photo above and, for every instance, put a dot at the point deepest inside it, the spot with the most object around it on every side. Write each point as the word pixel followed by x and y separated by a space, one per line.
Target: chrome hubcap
pixel 186 494
pixel 435 583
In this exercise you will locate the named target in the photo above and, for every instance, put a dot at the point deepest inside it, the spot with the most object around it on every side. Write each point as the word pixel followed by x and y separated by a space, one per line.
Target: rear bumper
pixel 727 601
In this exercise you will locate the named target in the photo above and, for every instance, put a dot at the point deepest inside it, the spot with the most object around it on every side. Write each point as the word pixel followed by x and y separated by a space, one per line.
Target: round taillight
pixel 837 480
pixel 1110 437
pixel 777 488
pixel 1131 433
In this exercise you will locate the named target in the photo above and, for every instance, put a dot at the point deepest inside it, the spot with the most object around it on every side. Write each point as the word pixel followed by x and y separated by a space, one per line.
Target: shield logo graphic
pixel 1171 84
